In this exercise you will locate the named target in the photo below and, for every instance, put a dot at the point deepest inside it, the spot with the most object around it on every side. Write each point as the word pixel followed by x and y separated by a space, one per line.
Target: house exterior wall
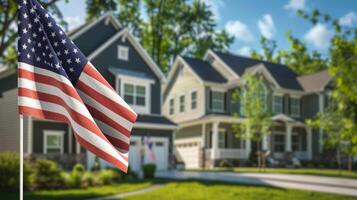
pixel 109 58
pixel 184 84
pixel 310 106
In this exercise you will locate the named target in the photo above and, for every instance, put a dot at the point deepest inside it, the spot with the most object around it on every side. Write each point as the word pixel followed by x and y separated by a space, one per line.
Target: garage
pixel 189 153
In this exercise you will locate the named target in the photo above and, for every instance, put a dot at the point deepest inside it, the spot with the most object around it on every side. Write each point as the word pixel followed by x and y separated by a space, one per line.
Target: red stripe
pixel 76 116
pixel 110 104
pixel 91 71
pixel 117 142
pixel 105 119
pixel 42 114
pixel 49 81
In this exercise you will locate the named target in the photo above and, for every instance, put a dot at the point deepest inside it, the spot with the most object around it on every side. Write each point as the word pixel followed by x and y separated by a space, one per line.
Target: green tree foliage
pixel 171 27
pixel 8 28
pixel 257 121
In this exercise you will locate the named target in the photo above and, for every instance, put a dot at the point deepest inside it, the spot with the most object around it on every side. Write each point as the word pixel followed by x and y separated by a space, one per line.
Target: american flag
pixel 57 82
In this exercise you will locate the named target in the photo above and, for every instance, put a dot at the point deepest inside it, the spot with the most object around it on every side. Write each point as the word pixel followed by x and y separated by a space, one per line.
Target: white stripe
pixel 84 133
pixel 46 72
pixel 108 130
pixel 117 118
pixel 107 92
pixel 49 89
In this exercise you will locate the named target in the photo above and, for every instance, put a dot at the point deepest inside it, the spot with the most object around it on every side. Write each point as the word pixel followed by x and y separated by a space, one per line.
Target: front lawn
pixel 305 171
pixel 78 194
pixel 187 190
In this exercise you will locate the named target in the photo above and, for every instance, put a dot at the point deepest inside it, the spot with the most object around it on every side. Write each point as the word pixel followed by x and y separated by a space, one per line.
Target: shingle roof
pixel 315 82
pixel 285 77
pixel 155 119
pixel 204 70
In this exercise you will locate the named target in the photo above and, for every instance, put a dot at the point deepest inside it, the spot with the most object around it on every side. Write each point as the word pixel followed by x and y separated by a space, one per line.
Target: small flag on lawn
pixel 57 82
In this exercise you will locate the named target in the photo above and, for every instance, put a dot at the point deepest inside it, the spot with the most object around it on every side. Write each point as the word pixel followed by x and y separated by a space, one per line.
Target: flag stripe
pixel 85 133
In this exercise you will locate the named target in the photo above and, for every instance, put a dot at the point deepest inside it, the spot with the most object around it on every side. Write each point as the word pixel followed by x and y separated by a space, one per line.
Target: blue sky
pixel 247 20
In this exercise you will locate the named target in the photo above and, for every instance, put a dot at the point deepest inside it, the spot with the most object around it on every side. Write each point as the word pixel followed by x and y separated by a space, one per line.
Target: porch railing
pixel 228 153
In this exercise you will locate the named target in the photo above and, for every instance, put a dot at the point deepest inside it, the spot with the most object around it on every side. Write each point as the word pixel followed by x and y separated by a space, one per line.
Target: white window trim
pixel 172 98
pixel 282 102
pixel 179 103
pixel 299 106
pixel 52 132
pixel 279 133
pixel 124 79
pixel 192 91
pixel 123 48
pixel 220 91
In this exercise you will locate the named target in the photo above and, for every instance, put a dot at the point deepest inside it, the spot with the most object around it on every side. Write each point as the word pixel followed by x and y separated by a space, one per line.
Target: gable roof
pixel 284 76
pixel 315 82
pixel 204 70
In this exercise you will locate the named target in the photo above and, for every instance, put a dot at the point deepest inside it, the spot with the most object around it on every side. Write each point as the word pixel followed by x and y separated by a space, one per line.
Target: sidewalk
pixel 343 186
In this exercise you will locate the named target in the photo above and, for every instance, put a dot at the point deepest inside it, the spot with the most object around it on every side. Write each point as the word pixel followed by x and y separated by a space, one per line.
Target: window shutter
pixel 210 100
pixel 225 102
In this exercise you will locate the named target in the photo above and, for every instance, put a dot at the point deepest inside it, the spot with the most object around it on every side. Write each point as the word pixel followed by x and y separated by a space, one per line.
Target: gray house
pixel 198 97
pixel 120 58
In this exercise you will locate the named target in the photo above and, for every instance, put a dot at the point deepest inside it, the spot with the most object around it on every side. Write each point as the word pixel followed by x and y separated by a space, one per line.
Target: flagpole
pixel 21 158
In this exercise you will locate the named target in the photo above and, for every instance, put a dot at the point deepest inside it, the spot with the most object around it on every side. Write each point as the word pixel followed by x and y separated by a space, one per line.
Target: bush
pixel 149 170
pixel 48 175
pixel 107 176
pixel 76 176
pixel 9 172
pixel 225 163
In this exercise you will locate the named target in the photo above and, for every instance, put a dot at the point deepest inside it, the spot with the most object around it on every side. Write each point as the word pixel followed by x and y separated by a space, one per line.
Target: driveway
pixel 342 186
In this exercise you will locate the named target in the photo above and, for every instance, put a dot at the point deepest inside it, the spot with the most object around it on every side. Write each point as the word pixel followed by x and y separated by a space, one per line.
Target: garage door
pixel 158 155
pixel 189 153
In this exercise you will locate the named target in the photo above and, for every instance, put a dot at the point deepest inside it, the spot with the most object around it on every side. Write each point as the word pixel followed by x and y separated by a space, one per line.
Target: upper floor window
pixel 193 100
pixel 123 53
pixel 53 142
pixel 135 94
pixel 182 103
pixel 172 106
pixel 295 107
pixel 277 104
pixel 217 99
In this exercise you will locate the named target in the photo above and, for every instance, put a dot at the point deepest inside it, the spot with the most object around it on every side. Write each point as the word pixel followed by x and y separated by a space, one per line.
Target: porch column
pixel 265 143
pixel 321 133
pixel 30 135
pixel 288 138
pixel 309 143
pixel 214 150
pixel 247 143
pixel 203 145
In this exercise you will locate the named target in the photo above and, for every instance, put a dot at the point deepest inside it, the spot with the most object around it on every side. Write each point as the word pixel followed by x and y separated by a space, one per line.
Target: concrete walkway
pixel 343 186
pixel 127 194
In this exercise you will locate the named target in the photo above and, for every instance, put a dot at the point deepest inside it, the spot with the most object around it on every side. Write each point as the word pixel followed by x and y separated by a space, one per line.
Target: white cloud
pixel 73 22
pixel 266 26
pixel 239 30
pixel 245 51
pixel 348 20
pixel 295 5
pixel 215 6
pixel 319 36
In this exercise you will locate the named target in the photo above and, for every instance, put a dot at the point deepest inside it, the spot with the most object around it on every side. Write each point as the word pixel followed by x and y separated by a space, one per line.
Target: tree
pixel 8 28
pixel 171 27
pixel 254 107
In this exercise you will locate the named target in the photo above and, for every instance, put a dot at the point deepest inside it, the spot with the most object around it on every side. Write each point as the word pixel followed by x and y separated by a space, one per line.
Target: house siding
pixel 155 133
pixel 310 106
pixel 109 58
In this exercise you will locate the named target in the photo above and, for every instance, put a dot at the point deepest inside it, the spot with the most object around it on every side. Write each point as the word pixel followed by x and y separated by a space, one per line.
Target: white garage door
pixel 158 155
pixel 189 153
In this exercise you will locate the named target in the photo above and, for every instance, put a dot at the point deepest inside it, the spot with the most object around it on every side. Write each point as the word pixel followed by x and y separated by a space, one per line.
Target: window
pixel 217 101
pixel 172 106
pixel 182 103
pixel 241 102
pixel 135 94
pixel 277 104
pixel 53 142
pixel 279 142
pixel 123 53
pixel 193 100
pixel 295 107
pixel 221 139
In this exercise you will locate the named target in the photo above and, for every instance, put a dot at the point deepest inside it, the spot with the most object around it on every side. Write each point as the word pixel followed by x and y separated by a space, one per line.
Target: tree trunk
pixel 349 163
pixel 259 156
pixel 338 157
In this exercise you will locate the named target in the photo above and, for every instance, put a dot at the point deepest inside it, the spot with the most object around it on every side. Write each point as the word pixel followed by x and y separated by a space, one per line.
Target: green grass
pixel 305 171
pixel 187 190
pixel 79 194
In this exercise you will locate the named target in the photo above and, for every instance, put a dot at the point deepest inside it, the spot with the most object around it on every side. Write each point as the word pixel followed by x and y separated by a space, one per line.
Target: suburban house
pixel 198 97
pixel 120 58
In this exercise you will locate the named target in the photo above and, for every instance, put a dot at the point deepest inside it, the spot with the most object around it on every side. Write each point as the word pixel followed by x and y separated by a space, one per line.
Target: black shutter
pixel 210 101
pixel 225 102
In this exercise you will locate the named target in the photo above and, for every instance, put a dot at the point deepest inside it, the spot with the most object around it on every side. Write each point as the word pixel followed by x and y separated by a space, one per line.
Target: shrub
pixel 9 172
pixel 107 176
pixel 75 178
pixel 88 180
pixel 225 163
pixel 48 175
pixel 149 170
